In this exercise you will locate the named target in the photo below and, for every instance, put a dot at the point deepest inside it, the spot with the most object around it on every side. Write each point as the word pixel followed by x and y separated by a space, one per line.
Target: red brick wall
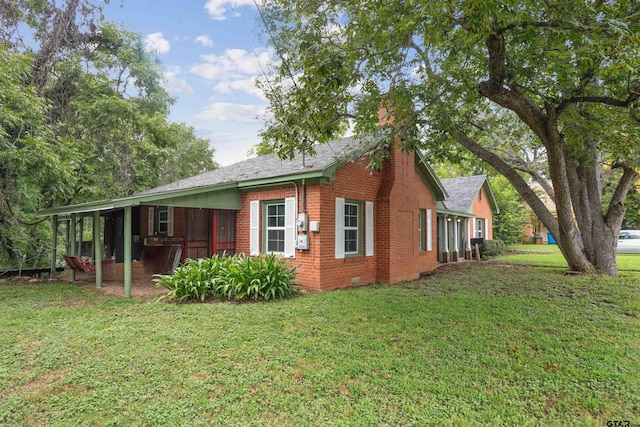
pixel 399 223
pixel 482 209
pixel 317 267
pixel 397 193
pixel 353 181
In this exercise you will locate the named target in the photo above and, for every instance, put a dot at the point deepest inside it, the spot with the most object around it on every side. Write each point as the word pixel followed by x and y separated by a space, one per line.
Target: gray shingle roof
pixel 269 166
pixel 462 191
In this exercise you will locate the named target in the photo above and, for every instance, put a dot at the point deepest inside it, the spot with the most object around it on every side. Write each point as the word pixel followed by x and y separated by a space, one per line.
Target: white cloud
pixel 218 9
pixel 156 43
pixel 231 146
pixel 204 40
pixel 175 85
pixel 243 85
pixel 229 112
pixel 234 63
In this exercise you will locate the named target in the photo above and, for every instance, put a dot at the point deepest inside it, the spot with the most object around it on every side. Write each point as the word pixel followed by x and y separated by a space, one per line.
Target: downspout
pixel 304 198
pixel 72 244
pixel 97 245
pixel 127 251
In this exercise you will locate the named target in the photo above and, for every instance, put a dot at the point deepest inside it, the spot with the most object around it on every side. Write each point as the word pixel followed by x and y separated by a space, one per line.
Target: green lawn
pixel 471 345
pixel 550 256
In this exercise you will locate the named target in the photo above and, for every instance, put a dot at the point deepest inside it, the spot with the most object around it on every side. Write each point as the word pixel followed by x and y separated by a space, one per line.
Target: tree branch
pixel 535 24
pixel 6 202
pixel 606 100
pixel 616 205
pixel 514 178
pixel 423 55
pixel 495 90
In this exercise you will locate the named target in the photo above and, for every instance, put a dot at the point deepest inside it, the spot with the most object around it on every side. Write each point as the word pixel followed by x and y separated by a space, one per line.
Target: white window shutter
pixel 254 227
pixel 429 231
pixel 150 221
pixel 486 229
pixel 369 228
pixel 170 221
pixel 290 227
pixel 339 228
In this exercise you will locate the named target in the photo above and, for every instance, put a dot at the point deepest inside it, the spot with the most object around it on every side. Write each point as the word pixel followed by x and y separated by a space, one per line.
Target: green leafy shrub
pixel 193 280
pixel 237 277
pixel 492 248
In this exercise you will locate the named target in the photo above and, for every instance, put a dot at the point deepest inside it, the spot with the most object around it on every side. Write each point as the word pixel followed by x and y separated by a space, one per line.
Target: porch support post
pixel 456 239
pixel 467 238
pixel 81 234
pixel 127 251
pixel 98 248
pixel 54 248
pixel 445 238
pixel 72 244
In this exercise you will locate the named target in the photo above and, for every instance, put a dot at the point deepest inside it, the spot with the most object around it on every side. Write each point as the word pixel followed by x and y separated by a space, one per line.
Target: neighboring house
pixel 467 213
pixel 534 230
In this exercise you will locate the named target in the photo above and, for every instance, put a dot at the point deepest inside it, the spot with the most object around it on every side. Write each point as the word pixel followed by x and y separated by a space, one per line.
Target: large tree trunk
pixel 569 237
pixel 586 237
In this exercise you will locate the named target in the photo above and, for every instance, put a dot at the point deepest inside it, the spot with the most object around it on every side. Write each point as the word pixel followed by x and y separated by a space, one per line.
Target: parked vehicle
pixel 629 242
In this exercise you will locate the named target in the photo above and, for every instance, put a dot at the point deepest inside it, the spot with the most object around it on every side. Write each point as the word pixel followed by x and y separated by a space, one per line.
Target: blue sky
pixel 211 52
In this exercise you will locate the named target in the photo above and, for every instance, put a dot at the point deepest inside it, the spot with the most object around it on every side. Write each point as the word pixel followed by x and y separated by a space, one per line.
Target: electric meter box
pixel 303 242
pixel 302 222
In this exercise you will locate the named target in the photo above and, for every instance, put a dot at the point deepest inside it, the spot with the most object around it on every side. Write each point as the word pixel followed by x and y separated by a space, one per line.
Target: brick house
pixel 467 213
pixel 337 221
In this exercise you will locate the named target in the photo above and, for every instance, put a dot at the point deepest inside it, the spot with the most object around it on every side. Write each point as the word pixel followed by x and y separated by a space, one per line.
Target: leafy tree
pixel 26 159
pixel 632 216
pixel 84 117
pixel 509 222
pixel 260 149
pixel 190 156
pixel 545 89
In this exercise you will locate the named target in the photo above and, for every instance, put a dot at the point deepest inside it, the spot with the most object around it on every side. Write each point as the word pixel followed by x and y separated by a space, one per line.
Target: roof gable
pixel 462 192
pixel 429 177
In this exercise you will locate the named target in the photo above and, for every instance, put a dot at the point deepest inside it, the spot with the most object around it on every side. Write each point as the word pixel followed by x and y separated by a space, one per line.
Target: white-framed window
pixel 479 227
pixel 352 221
pixel 160 221
pixel 277 226
pixel 163 220
pixel 351 225
pixel 274 226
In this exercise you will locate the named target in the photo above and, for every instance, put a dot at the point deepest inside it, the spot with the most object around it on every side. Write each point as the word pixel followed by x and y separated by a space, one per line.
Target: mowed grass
pixel 550 256
pixel 471 345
